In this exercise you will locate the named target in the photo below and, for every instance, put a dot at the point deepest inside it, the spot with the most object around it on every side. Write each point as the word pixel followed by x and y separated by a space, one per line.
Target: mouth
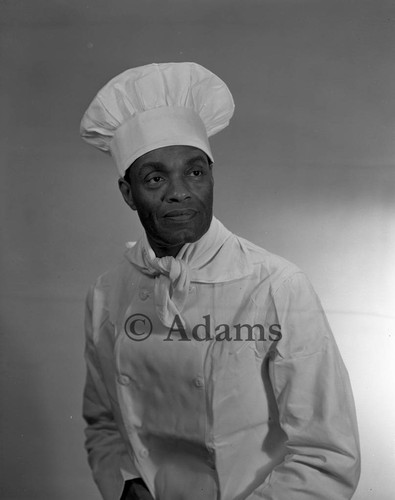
pixel 180 215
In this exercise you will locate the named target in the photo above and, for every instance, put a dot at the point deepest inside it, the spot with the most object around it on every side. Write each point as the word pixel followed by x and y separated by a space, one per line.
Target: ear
pixel 211 165
pixel 126 191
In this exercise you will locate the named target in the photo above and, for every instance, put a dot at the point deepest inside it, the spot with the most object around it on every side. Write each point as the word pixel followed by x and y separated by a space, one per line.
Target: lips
pixel 180 215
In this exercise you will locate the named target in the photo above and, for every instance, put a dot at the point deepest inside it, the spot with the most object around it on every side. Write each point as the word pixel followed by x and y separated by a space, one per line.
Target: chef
pixel 212 372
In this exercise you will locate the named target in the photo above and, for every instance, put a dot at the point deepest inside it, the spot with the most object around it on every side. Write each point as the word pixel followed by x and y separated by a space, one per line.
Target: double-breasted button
pixel 143 453
pixel 199 382
pixel 123 380
pixel 144 294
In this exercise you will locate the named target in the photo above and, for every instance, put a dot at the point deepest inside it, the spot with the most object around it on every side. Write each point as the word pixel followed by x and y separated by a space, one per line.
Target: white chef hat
pixel 157 105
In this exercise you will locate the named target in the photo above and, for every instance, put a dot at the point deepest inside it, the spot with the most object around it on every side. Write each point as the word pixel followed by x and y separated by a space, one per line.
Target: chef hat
pixel 157 105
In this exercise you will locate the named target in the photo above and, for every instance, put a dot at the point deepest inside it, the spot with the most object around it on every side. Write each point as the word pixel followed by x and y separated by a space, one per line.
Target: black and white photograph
pixel 198 249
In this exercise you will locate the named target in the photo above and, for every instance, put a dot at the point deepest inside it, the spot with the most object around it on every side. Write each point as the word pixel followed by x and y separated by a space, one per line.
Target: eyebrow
pixel 158 165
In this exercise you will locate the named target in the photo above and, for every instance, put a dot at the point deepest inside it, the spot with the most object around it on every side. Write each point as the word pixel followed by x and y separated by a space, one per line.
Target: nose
pixel 177 191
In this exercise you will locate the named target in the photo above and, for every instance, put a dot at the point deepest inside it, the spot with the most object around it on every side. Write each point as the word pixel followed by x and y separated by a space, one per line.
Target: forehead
pixel 169 154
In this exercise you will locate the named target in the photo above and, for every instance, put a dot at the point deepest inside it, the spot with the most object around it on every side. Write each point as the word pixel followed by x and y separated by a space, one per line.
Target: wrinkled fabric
pixel 246 399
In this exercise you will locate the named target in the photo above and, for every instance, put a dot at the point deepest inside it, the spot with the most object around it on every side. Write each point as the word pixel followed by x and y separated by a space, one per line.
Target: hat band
pixel 157 128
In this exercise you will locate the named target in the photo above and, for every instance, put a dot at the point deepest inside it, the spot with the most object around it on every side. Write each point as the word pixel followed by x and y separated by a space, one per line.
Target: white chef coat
pixel 246 417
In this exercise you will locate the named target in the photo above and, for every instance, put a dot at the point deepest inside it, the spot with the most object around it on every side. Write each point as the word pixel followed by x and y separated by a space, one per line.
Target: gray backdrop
pixel 306 170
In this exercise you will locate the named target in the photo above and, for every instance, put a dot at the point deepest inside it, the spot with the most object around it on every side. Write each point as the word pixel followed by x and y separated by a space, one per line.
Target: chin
pixel 185 238
pixel 190 235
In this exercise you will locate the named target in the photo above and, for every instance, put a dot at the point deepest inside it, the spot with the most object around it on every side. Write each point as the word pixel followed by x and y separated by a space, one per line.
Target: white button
pixel 199 382
pixel 191 289
pixel 123 380
pixel 143 453
pixel 144 294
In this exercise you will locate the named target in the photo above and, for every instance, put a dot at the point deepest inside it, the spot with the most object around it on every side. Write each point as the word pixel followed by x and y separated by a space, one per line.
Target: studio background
pixel 306 170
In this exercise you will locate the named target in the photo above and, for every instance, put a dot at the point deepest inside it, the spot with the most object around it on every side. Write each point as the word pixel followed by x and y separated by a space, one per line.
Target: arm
pixel 107 454
pixel 315 404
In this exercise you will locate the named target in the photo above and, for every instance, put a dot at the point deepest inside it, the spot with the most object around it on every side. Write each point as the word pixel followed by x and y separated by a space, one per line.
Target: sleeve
pixel 315 404
pixel 108 458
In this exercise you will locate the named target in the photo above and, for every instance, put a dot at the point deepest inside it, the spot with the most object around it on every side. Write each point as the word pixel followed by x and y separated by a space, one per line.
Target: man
pixel 212 371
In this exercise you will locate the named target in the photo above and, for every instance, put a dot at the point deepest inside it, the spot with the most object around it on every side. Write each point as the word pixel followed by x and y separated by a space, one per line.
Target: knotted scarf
pixel 217 257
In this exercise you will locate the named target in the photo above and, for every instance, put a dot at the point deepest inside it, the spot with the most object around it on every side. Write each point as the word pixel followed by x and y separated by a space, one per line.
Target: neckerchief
pixel 217 257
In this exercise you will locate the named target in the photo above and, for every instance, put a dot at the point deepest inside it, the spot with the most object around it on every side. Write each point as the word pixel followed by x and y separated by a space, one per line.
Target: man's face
pixel 172 190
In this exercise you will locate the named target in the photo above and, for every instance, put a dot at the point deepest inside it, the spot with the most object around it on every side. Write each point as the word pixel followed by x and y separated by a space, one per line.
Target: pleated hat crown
pixel 157 105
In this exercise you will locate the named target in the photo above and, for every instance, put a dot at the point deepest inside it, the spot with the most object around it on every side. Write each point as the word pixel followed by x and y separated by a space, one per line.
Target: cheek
pixel 207 197
pixel 145 205
pixel 203 191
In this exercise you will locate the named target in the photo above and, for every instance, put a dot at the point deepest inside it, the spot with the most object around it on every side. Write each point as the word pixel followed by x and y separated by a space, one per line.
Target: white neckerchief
pixel 218 256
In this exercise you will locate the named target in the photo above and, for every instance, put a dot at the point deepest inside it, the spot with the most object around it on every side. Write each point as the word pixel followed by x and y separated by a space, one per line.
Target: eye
pixel 195 173
pixel 155 179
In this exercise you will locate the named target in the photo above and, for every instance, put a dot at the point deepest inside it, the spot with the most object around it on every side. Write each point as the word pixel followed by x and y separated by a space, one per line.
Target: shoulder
pixel 114 286
pixel 295 306
pixel 115 276
pixel 268 265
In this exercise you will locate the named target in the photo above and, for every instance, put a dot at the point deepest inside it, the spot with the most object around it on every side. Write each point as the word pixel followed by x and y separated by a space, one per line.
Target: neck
pixel 161 251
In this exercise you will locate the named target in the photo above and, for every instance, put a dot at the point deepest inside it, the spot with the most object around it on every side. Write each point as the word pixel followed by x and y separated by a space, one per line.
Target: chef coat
pixel 243 397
